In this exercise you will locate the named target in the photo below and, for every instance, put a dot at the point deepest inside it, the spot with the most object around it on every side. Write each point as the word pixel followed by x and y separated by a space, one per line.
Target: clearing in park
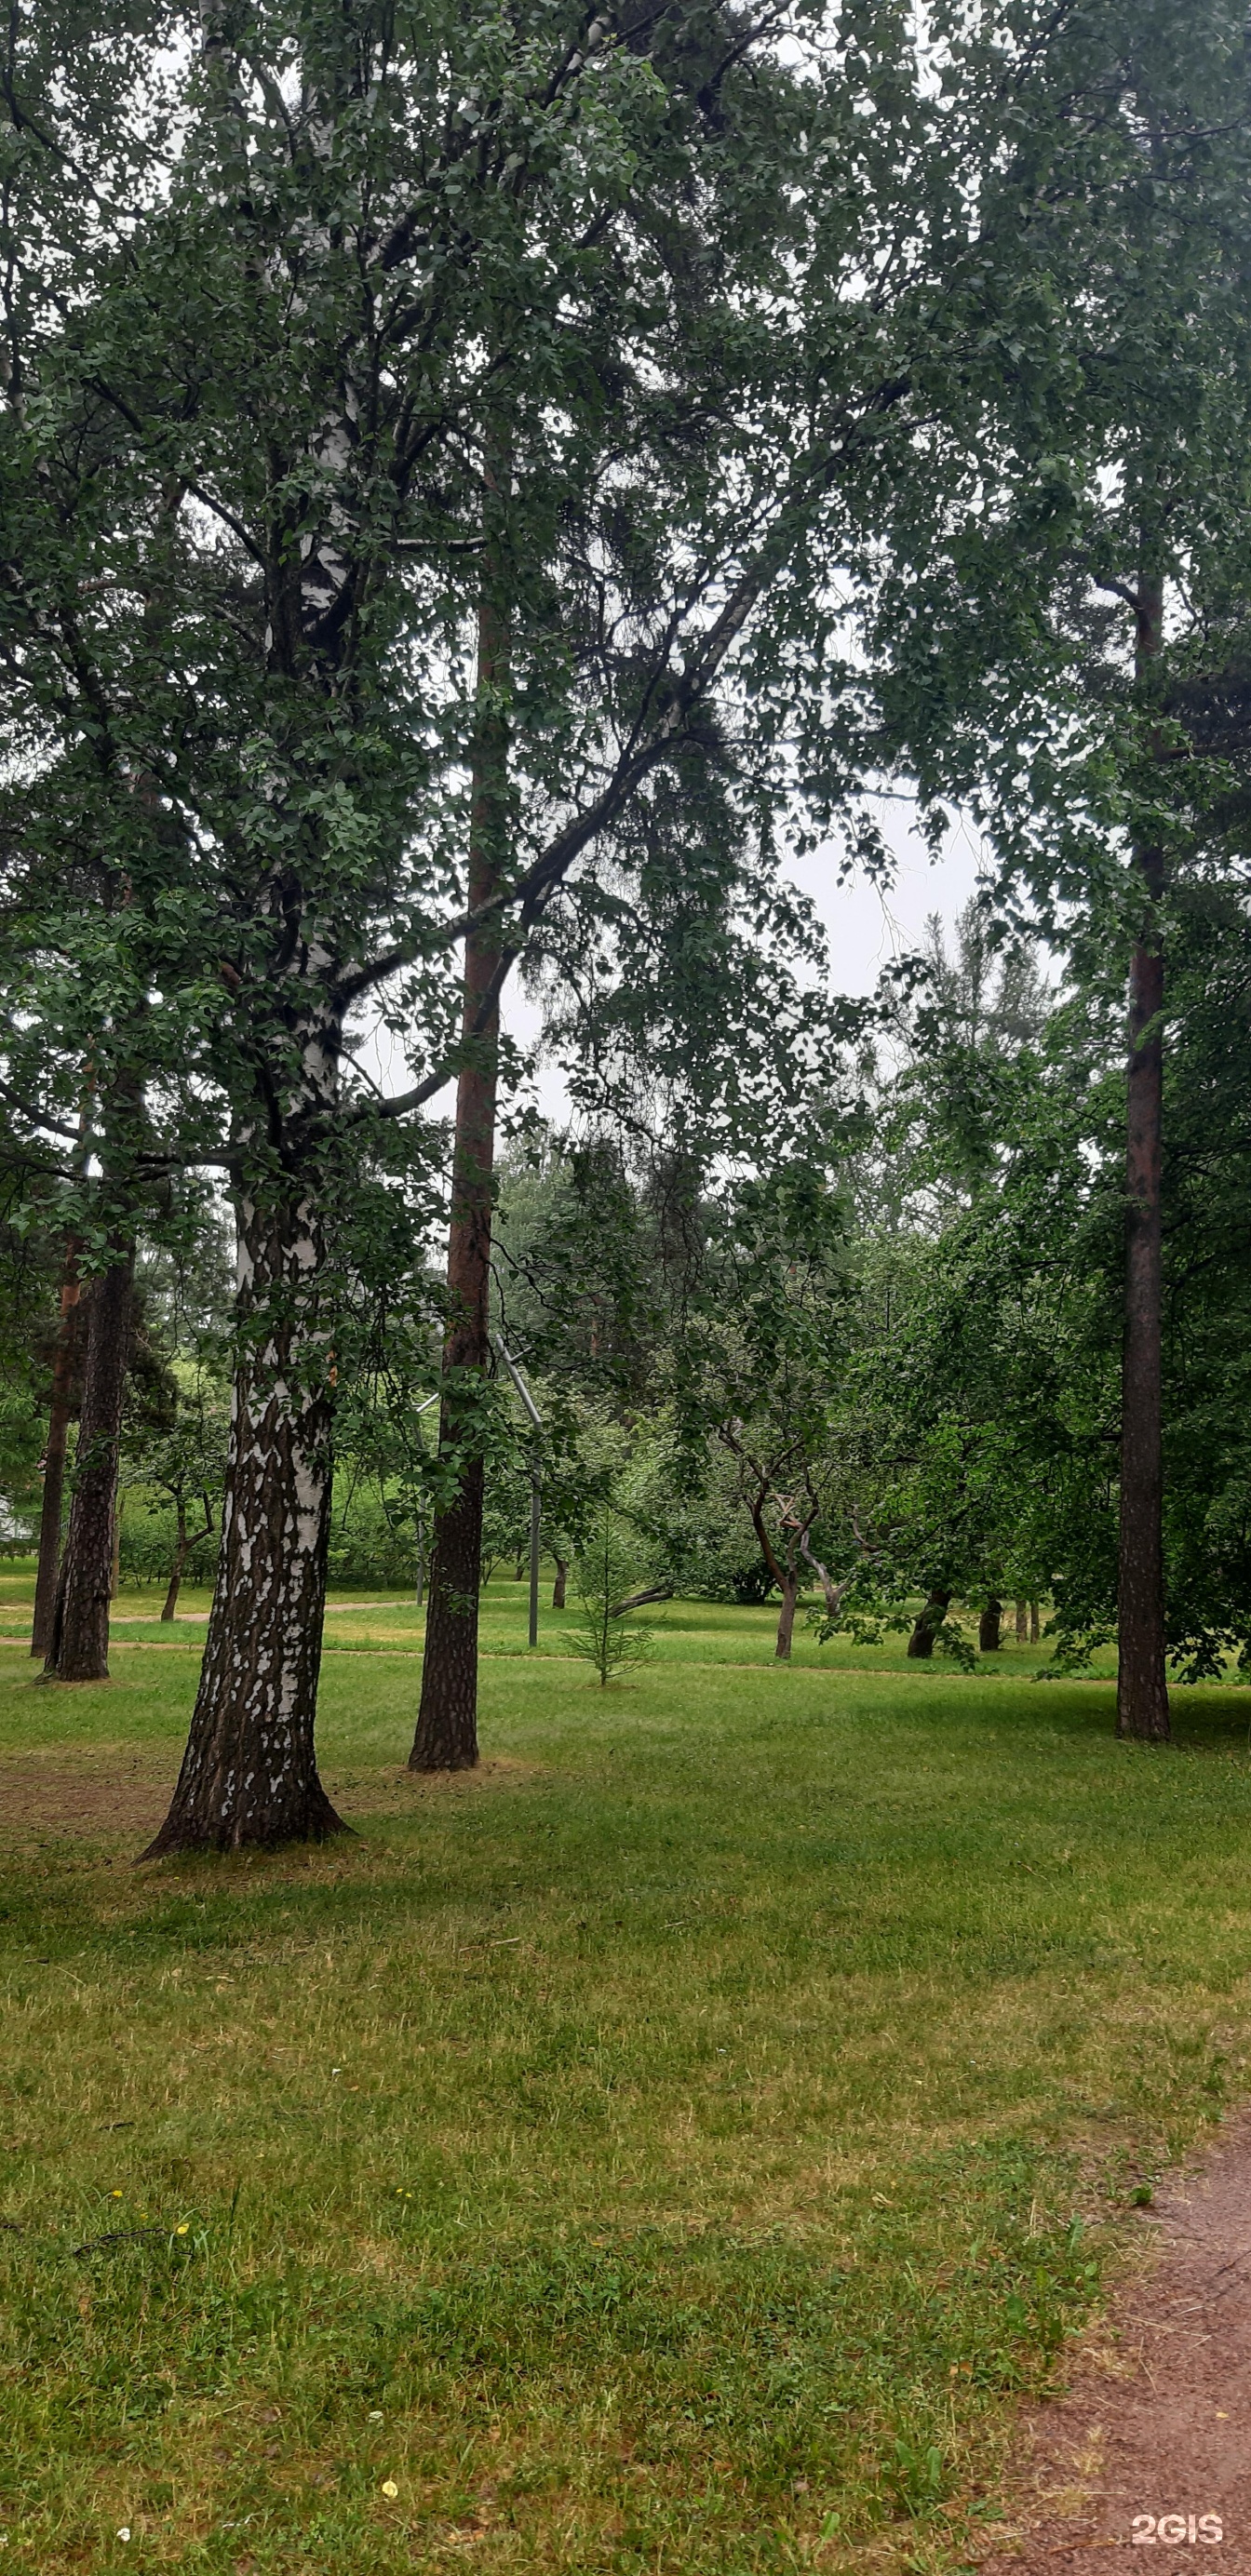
pixel 677 2145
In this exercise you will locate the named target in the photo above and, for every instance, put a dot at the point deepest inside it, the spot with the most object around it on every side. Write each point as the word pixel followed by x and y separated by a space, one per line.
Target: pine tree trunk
pixel 446 1737
pixel 78 1650
pixel 786 1617
pixel 447 1726
pixel 1141 1688
pixel 1022 1622
pixel 249 1774
pixel 558 1588
pixel 988 1640
pixel 928 1622
pixel 64 1358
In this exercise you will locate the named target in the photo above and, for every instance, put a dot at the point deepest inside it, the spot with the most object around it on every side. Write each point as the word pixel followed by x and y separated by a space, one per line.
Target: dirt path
pixel 118 1798
pixel 1151 2448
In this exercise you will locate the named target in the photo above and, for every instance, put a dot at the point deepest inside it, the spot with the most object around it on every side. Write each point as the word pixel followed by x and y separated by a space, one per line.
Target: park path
pixel 189 1618
pixel 1150 2450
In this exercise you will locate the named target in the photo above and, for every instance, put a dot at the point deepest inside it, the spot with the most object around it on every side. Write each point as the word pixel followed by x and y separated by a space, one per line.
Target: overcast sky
pixel 866 929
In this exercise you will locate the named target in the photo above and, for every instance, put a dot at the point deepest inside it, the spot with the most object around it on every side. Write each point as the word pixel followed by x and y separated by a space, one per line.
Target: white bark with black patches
pixel 249 1775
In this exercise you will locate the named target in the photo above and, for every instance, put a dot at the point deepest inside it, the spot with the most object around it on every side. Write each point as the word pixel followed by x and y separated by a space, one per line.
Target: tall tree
pixel 60 1408
pixel 1090 742
pixel 446 1738
pixel 78 1647
pixel 1142 1687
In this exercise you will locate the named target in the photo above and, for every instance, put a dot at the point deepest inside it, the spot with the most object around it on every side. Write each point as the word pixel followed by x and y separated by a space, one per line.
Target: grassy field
pixel 672 2148
pixel 685 1631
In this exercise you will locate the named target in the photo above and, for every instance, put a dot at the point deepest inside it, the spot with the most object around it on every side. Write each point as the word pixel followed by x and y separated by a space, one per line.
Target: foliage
pixel 28 1324
pixel 373 1541
pixel 173 1469
pixel 21 1443
pixel 692 1517
pixel 760 1359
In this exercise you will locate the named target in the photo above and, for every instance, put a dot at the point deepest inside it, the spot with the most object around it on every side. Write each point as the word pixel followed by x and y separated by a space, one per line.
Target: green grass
pixel 686 1631
pixel 674 2148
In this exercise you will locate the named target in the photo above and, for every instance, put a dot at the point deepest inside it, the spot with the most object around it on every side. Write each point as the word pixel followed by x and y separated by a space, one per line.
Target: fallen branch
pixel 118 2236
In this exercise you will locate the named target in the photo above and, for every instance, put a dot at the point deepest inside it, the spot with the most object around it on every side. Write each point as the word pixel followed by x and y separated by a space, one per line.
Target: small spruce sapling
pixel 603 1632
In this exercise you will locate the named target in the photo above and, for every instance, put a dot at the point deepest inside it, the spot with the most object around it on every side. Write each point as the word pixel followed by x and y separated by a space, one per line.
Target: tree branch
pixel 638 1600
pixel 38 1117
pixel 685 693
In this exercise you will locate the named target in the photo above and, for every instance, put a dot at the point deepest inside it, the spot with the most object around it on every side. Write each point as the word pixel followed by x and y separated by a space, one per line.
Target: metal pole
pixel 536 1486
pixel 420 1515
pixel 536 1510
pixel 518 1381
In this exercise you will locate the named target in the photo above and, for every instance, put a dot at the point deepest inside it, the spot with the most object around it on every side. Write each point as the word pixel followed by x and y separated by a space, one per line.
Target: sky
pixel 867 927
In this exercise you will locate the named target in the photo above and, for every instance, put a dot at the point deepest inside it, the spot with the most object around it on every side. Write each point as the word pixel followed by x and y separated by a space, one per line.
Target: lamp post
pixel 536 1487
pixel 421 1517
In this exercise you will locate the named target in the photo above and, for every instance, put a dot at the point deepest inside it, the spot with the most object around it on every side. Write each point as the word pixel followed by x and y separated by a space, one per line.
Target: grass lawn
pixel 671 2149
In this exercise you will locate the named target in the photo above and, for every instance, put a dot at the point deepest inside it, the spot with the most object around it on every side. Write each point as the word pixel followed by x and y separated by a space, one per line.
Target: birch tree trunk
pixel 446 1737
pixel 249 1774
pixel 78 1649
pixel 50 1509
pixel 1141 1685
